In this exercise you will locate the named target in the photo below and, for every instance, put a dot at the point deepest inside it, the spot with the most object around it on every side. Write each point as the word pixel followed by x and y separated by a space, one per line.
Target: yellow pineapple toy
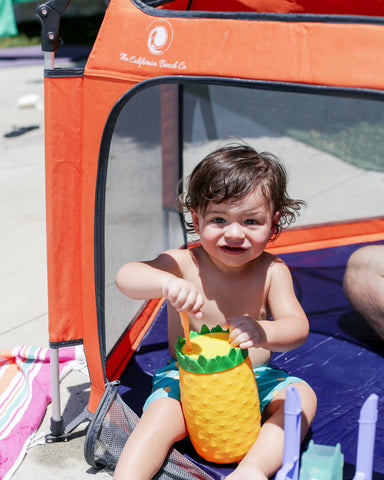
pixel 219 395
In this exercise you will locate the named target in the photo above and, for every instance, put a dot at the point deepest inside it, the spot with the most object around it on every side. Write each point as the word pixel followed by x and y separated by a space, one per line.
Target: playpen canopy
pixel 165 83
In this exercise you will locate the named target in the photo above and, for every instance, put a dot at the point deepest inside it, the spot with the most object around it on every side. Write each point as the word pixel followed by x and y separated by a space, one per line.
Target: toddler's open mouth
pixel 233 249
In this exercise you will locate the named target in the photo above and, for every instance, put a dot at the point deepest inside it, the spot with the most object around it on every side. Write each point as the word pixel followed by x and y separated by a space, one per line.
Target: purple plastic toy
pixel 292 428
pixel 292 425
pixel 366 439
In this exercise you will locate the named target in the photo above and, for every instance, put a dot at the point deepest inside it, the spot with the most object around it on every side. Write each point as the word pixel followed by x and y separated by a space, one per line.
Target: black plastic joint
pixel 49 14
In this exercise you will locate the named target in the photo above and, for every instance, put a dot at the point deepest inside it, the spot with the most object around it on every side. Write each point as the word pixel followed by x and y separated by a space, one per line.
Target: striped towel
pixel 24 395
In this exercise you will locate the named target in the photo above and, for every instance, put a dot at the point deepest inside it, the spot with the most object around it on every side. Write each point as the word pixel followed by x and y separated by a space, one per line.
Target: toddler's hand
pixel 184 296
pixel 245 332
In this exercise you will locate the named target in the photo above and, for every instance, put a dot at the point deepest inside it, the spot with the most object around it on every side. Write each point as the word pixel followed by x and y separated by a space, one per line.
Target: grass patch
pixel 351 129
pixel 360 144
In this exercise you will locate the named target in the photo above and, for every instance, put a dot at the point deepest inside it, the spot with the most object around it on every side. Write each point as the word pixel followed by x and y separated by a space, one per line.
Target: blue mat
pixel 343 360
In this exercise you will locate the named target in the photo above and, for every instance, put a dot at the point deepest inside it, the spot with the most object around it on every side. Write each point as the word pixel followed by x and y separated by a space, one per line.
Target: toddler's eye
pixel 251 221
pixel 218 220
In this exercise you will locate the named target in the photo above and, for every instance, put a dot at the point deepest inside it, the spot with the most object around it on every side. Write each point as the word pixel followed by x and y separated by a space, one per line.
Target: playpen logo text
pixel 144 62
pixel 159 38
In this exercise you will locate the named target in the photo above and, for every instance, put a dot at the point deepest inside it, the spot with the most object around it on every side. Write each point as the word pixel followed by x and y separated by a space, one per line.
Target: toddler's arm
pixel 160 278
pixel 289 328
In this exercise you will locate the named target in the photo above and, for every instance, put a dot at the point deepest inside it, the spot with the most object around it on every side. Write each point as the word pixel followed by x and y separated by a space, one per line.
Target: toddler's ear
pixel 195 221
pixel 275 222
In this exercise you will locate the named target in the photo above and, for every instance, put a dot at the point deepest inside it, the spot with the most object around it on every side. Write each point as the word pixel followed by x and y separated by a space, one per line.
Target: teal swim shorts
pixel 269 380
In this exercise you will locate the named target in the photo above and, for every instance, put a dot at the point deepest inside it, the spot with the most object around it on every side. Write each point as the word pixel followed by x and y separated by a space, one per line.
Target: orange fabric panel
pixel 63 103
pixel 72 143
pixel 128 344
pixel 325 236
pixel 329 7
pixel 309 53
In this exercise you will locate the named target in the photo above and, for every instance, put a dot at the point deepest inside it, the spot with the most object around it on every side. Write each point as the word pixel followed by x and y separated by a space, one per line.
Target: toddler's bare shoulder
pixel 182 256
pixel 272 261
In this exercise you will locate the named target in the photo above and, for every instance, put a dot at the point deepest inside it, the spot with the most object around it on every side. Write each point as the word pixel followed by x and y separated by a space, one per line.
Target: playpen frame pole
pixel 57 423
pixel 49 14
pixel 49 60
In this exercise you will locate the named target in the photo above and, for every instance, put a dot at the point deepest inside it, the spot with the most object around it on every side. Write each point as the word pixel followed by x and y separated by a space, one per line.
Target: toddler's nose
pixel 234 232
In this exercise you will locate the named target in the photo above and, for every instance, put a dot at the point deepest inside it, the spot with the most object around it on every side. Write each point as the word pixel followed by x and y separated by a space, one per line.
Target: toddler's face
pixel 234 233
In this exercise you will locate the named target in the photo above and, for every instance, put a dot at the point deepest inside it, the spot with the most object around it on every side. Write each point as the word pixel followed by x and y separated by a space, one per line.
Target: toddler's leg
pixel 161 425
pixel 266 455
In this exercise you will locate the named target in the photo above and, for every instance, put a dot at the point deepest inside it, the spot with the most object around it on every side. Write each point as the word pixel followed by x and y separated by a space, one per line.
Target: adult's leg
pixel 364 285
pixel 266 455
pixel 161 425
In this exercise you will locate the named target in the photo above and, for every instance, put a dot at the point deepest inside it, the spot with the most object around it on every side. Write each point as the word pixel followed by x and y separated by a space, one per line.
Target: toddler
pixel 237 200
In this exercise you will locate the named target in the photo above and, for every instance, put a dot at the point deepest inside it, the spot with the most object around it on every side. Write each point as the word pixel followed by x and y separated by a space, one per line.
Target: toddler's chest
pixel 234 303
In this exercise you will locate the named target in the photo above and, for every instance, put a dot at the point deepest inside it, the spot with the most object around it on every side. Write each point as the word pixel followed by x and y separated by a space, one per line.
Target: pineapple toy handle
pixel 185 323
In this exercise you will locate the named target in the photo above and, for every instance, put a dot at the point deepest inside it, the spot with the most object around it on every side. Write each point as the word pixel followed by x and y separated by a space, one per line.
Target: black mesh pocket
pixel 110 428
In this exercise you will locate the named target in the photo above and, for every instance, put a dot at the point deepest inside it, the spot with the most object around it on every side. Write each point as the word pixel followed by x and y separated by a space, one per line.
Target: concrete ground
pixel 23 282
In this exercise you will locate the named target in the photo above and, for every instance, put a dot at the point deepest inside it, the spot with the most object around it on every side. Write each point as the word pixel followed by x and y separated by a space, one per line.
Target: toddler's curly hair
pixel 230 173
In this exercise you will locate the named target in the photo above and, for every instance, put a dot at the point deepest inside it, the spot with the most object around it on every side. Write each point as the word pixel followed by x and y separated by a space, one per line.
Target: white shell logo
pixel 160 37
